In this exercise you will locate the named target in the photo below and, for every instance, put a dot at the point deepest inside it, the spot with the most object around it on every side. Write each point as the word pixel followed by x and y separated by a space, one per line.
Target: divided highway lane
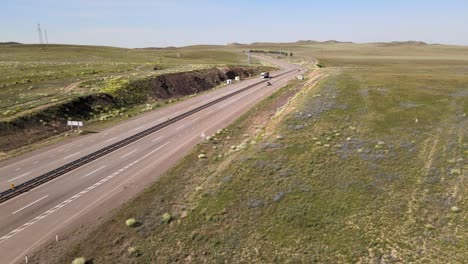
pixel 22 169
pixel 85 176
pixel 36 165
pixel 87 193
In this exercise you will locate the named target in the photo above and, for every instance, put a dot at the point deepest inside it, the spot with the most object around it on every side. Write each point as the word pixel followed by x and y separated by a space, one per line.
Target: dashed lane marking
pixel 22 175
pixel 76 196
pixel 156 139
pixel 96 170
pixel 110 139
pixel 131 152
pixel 74 154
pixel 24 207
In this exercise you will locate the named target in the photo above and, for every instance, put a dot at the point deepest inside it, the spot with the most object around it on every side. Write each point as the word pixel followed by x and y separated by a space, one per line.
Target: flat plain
pixel 363 162
pixel 34 76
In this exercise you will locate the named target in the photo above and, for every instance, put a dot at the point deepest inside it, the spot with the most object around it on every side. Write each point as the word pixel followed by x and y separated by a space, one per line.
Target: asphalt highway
pixel 85 194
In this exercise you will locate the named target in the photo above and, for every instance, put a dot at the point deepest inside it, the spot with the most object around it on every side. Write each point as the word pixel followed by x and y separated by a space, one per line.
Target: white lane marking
pixel 161 119
pixel 221 106
pixel 110 139
pixel 81 211
pixel 196 119
pixel 209 111
pixel 12 233
pixel 236 99
pixel 107 133
pixel 180 127
pixel 94 171
pixel 30 204
pixel 76 196
pixel 22 175
pixel 138 128
pixel 131 152
pixel 158 148
pixel 80 145
pixel 156 139
pixel 18 169
pixel 74 154
pixel 36 162
pixel 65 150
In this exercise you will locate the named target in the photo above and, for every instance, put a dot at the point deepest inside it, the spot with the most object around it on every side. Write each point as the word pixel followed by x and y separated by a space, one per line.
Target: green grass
pixel 37 75
pixel 38 78
pixel 394 192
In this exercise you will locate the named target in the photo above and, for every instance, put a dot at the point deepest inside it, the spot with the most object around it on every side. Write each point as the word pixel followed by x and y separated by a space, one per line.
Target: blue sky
pixel 143 23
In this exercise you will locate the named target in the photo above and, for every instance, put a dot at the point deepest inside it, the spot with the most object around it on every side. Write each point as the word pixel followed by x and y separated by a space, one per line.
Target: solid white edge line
pixel 84 209
pixel 247 82
pixel 114 189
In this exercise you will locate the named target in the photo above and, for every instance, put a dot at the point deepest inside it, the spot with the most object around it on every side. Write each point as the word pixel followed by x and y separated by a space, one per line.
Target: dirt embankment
pixel 52 120
pixel 181 84
pixel 176 85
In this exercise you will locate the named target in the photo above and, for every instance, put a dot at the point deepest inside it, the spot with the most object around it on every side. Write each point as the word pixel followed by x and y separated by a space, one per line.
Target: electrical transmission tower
pixel 46 39
pixel 40 33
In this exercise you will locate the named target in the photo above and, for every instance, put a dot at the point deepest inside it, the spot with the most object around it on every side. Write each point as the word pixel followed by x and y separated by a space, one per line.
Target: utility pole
pixel 46 39
pixel 250 59
pixel 40 33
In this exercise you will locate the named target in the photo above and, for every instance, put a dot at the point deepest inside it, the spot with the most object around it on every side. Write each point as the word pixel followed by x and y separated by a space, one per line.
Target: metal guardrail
pixel 30 184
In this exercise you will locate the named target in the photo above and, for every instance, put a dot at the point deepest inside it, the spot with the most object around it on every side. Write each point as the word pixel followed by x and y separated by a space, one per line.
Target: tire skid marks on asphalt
pixel 64 203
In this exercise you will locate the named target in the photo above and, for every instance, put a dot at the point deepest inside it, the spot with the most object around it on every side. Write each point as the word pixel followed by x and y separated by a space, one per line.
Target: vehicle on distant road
pixel 265 75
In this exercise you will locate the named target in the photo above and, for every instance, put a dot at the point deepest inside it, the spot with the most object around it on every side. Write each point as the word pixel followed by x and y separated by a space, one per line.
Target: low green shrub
pixel 131 222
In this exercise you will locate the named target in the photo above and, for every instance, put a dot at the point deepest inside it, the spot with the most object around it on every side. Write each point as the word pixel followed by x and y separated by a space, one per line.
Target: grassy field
pixel 366 166
pixel 37 75
pixel 41 87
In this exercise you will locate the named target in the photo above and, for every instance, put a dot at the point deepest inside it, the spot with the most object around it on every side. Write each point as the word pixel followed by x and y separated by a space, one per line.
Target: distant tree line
pixel 272 52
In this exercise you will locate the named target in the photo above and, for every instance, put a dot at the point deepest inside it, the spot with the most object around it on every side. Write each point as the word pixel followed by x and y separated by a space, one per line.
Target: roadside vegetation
pixel 34 75
pixel 42 87
pixel 363 162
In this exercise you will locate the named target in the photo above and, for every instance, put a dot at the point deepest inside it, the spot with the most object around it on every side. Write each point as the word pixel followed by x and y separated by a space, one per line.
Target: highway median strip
pixel 26 186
